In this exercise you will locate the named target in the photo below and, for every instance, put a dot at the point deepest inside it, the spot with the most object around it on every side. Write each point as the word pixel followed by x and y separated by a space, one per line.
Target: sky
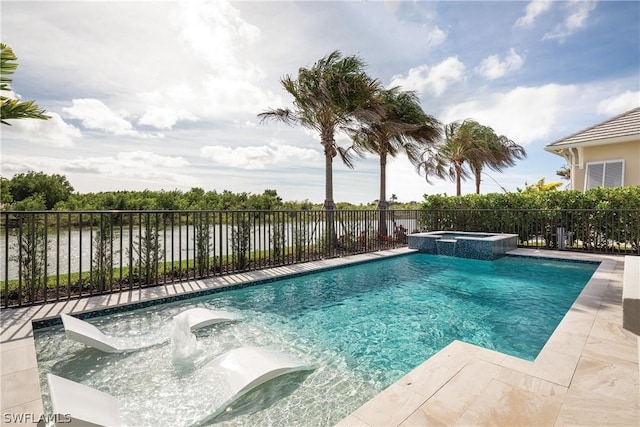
pixel 165 95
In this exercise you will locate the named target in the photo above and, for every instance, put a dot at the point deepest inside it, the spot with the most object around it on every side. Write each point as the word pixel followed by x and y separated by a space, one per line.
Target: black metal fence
pixel 601 231
pixel 52 256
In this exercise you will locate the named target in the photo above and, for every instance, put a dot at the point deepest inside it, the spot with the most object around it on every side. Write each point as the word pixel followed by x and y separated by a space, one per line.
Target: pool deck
pixel 587 373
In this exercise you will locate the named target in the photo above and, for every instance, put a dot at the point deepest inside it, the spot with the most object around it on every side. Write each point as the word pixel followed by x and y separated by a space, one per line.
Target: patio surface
pixel 587 373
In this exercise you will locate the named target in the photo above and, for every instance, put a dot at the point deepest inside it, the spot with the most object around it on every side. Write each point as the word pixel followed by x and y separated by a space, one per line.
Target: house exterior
pixel 606 154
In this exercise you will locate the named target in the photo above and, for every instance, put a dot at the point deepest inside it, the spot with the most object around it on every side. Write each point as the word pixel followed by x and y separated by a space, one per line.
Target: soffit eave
pixel 557 147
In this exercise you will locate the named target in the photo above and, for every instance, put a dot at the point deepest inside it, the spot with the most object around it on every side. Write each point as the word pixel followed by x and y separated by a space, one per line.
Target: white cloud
pixel 215 33
pixel 216 80
pixel 134 165
pixel 53 132
pixel 187 61
pixel 214 30
pixel 392 5
pixel 258 157
pixel 434 79
pixel 133 158
pixel 12 165
pixel 436 37
pixel 164 117
pixel 165 109
pixel 618 104
pixel 533 10
pixel 225 95
pixel 140 169
pixel 492 67
pixel 577 14
pixel 94 114
pixel 524 114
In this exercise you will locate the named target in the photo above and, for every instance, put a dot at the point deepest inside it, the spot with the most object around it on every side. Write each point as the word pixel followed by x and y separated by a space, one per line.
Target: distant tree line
pixel 38 191
pixel 34 191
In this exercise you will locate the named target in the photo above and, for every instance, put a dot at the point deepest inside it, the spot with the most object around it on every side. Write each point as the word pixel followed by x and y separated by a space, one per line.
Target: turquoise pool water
pixel 363 326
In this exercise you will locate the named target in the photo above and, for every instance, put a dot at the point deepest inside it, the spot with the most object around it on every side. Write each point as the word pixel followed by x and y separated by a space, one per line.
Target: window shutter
pixel 613 174
pixel 595 172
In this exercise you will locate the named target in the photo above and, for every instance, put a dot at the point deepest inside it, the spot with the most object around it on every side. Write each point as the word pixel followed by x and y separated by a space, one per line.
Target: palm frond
pixel 13 109
pixel 279 114
pixel 7 66
pixel 345 156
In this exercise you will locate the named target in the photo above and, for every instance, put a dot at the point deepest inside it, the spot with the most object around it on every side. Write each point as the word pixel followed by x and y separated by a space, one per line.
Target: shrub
pixel 600 218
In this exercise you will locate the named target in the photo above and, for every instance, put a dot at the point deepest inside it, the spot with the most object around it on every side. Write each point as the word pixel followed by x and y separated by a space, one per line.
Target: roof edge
pixel 593 142
pixel 591 127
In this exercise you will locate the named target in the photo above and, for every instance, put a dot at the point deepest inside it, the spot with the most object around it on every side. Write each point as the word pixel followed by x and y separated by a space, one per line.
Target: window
pixel 606 174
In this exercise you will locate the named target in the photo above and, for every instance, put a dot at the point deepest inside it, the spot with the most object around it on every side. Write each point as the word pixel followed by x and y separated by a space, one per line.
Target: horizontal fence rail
pixel 53 255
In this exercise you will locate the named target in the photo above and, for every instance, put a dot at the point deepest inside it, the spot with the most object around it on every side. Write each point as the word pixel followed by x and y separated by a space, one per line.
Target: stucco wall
pixel 629 151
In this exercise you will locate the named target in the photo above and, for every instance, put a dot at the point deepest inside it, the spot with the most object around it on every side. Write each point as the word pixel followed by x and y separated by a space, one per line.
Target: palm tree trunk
pixel 477 172
pixel 329 205
pixel 458 168
pixel 382 200
pixel 329 153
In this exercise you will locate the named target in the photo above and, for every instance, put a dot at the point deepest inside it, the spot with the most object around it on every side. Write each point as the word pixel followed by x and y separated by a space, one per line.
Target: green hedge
pixel 600 219
pixel 597 198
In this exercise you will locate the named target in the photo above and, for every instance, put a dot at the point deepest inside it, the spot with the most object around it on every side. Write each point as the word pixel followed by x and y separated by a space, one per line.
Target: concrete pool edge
pixel 459 365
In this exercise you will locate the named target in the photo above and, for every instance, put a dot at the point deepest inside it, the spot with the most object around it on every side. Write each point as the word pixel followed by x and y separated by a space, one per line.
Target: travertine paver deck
pixel 587 374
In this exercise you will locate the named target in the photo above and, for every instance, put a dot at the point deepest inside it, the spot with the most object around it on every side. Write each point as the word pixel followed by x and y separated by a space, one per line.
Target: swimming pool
pixel 363 326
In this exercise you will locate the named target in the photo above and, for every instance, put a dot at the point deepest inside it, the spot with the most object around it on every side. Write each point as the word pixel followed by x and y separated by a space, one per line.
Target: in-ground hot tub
pixel 463 244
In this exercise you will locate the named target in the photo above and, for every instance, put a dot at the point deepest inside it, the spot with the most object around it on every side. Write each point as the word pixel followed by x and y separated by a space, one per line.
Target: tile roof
pixel 625 125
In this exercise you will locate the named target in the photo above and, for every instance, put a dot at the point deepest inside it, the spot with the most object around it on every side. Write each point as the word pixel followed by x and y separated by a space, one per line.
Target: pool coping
pixel 452 387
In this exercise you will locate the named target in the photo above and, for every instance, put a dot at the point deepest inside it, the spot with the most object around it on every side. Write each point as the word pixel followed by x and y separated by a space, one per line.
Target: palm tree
pixel 498 152
pixel 328 97
pixel 541 186
pixel 447 158
pixel 402 126
pixel 14 108
pixel 564 172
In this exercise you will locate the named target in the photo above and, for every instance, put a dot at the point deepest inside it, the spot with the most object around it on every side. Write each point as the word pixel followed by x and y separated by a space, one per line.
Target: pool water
pixel 363 326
